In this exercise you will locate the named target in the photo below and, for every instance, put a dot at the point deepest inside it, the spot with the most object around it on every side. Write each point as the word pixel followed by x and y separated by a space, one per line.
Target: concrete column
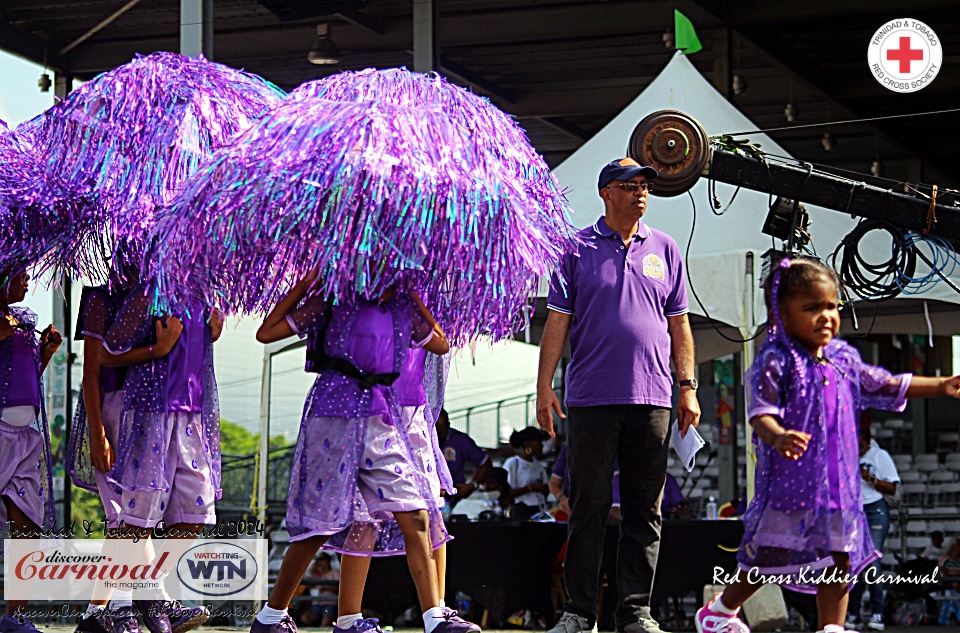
pixel 58 375
pixel 196 28
pixel 425 57
pixel 722 75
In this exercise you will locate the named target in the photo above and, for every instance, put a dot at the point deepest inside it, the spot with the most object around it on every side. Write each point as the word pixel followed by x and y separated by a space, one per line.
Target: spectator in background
pixel 320 613
pixel 497 481
pixel 458 449
pixel 950 566
pixel 527 477
pixel 936 549
pixel 672 496
pixel 880 479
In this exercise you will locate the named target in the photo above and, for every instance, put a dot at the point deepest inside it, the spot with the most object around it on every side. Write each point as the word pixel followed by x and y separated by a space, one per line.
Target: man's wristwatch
pixel 692 383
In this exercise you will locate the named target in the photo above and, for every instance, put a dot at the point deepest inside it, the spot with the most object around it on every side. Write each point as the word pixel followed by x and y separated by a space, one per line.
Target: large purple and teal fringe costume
pixel 376 178
pixel 134 134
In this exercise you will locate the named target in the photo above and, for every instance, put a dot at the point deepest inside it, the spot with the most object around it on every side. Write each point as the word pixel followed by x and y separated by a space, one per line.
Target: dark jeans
pixel 878 518
pixel 597 436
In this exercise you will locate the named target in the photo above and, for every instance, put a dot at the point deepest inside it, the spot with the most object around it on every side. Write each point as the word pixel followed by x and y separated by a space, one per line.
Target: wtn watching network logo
pixel 81 569
pixel 218 569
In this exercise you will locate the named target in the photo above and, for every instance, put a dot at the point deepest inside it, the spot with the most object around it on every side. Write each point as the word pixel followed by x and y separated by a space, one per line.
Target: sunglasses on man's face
pixel 634 187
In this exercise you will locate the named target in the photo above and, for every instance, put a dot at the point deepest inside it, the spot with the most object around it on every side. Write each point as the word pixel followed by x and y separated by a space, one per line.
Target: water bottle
pixel 711 509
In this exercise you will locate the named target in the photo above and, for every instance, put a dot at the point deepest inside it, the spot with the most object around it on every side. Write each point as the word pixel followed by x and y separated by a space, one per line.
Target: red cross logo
pixel 905 54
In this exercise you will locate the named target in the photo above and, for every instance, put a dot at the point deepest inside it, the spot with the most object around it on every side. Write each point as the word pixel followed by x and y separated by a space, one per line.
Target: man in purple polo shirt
pixel 623 300
pixel 459 448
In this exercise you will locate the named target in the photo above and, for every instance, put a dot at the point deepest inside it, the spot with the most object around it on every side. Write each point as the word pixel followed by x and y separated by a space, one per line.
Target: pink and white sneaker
pixel 710 621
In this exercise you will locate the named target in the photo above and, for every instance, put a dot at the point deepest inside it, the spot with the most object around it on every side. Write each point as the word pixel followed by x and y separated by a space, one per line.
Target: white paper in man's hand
pixel 686 447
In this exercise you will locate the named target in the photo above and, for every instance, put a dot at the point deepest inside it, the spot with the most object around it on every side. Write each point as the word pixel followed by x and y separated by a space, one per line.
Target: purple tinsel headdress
pixel 36 211
pixel 377 178
pixel 135 133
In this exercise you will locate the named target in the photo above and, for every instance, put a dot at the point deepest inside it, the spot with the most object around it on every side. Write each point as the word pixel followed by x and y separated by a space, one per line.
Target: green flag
pixel 686 37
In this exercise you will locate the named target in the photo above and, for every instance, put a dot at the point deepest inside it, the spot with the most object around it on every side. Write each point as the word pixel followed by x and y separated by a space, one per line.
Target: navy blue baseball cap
pixel 624 169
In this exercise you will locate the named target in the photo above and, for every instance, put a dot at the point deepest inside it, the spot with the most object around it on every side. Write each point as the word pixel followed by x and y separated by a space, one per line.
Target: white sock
pixel 269 615
pixel 719 607
pixel 93 609
pixel 121 599
pixel 431 618
pixel 346 621
pixel 833 628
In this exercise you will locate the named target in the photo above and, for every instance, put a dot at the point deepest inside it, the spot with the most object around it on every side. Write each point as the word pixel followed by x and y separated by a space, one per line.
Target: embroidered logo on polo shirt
pixel 450 454
pixel 653 267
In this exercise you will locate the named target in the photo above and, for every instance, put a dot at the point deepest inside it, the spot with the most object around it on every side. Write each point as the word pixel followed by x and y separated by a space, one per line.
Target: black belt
pixel 345 367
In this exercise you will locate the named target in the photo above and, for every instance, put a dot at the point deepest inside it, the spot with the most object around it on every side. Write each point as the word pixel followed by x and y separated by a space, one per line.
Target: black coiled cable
pixel 874 282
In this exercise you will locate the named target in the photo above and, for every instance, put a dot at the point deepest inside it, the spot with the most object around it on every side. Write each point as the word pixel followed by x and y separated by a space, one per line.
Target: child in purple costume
pixel 368 537
pixel 96 424
pixel 352 452
pixel 25 468
pixel 170 422
pixel 805 525
pixel 167 466
pixel 95 439
pixel 371 535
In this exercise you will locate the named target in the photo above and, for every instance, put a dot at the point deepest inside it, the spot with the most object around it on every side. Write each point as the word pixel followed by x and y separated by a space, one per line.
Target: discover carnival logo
pixel 81 569
pixel 905 55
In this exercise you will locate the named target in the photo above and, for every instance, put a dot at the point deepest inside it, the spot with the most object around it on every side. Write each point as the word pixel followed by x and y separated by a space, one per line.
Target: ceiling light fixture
pixel 827 142
pixel 323 52
pixel 791 112
pixel 668 40
pixel 739 85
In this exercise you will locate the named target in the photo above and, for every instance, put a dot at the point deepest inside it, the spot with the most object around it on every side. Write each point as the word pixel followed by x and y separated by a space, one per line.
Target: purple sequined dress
pixel 25 334
pixel 151 393
pixel 420 393
pixel 324 496
pixel 98 307
pixel 805 509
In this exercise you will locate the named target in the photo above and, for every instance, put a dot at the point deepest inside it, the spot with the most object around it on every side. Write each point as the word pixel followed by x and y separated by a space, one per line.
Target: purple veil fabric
pixel 141 456
pixel 28 320
pixel 792 525
pixel 435 375
pixel 98 308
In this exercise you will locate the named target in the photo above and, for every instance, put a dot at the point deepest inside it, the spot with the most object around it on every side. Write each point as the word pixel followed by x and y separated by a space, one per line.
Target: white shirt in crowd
pixel 522 473
pixel 879 463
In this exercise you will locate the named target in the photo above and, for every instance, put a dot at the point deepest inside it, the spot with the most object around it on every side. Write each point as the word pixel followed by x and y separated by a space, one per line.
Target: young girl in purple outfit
pixel 805 528
pixel 95 440
pixel 419 393
pixel 25 474
pixel 167 461
pixel 353 459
